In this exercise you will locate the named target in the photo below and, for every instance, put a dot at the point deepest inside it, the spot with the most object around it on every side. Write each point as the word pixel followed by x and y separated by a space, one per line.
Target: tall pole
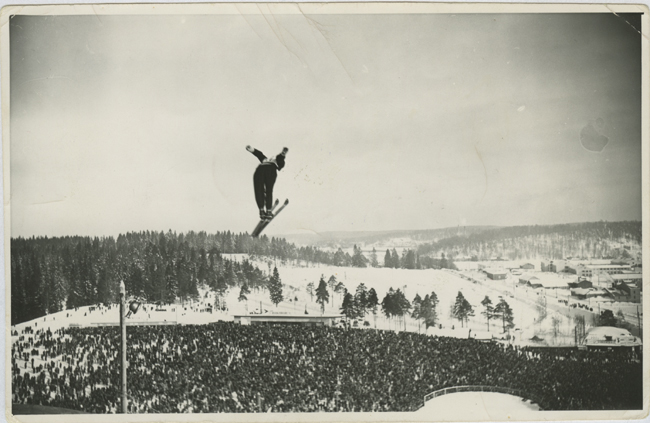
pixel 123 343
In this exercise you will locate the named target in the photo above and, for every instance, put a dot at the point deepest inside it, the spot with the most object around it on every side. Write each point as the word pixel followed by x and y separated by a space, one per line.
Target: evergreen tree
pixel 450 264
pixel 462 309
pixel 339 258
pixel 171 287
pixel 275 287
pixel 322 295
pixel 434 300
pixel 340 288
pixel 489 310
pixel 607 318
pixel 193 292
pixel 331 283
pixel 372 301
pixel 417 303
pixel 409 260
pixel 388 306
pixel 373 258
pixel 243 292
pixel 443 261
pixel 469 310
pixel 358 259
pixel 361 300
pixel 504 311
pixel 388 260
pixel 428 310
pixel 394 259
pixel 220 287
pixel 347 307
pixel 402 305
pixel 18 294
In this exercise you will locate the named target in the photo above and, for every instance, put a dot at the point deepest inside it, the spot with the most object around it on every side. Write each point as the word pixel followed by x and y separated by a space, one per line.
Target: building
pixel 629 278
pixel 546 281
pixel 527 266
pixel 496 274
pixel 581 283
pixel 609 337
pixel 528 279
pixel 302 319
pixel 632 291
pixel 586 293
pixel 581 293
pixel 551 281
pixel 618 294
pixel 589 270
pixel 554 266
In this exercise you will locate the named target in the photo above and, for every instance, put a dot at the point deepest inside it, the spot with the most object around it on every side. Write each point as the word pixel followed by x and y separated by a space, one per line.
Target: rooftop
pixel 624 276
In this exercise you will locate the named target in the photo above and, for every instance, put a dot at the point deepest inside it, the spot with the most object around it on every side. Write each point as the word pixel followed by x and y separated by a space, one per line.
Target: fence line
pixel 477 388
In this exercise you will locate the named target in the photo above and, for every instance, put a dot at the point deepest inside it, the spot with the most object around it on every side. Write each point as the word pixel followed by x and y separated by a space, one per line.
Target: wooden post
pixel 123 344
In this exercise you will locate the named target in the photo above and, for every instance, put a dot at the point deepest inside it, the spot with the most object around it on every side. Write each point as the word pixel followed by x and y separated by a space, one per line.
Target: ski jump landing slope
pixel 480 406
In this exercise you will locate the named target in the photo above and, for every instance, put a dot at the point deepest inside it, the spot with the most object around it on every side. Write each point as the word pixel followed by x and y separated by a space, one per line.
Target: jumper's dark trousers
pixel 263 181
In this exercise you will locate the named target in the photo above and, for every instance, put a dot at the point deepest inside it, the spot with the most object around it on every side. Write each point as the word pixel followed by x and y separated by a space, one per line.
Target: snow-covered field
pixel 525 303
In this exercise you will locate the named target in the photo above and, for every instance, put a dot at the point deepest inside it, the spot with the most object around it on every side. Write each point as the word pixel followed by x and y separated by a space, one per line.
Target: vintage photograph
pixel 324 212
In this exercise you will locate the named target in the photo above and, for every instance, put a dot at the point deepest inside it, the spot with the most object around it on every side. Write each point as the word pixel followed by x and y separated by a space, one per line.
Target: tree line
pixel 395 306
pixel 52 274
pixel 591 239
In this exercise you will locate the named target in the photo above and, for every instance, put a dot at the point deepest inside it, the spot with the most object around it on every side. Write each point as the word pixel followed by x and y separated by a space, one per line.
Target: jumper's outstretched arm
pixel 256 153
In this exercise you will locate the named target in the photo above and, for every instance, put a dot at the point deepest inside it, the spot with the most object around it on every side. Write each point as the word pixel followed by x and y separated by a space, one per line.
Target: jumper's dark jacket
pixel 278 160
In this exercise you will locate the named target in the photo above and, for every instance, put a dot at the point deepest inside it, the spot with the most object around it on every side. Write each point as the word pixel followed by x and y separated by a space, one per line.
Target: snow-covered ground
pixel 525 303
pixel 192 312
pixel 480 406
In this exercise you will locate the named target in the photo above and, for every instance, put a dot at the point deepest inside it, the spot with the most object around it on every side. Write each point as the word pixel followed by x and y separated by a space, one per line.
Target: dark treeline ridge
pixel 51 274
pixel 591 239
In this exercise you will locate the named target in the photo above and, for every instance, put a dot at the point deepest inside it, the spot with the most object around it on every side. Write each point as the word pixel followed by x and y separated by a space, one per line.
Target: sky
pixel 400 121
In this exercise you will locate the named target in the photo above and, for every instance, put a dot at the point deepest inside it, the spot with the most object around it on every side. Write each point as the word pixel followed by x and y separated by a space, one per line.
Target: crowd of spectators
pixel 226 367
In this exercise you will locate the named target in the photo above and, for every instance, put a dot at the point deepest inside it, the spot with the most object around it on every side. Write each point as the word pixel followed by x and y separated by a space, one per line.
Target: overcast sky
pixel 129 123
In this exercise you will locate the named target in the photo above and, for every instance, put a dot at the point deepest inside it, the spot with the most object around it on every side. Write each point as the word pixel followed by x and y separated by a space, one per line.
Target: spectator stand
pixel 281 318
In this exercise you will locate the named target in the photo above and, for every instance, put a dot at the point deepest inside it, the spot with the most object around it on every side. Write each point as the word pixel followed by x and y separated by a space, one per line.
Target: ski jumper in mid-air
pixel 264 179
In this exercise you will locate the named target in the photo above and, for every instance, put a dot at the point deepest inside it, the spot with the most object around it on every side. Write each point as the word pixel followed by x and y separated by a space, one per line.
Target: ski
pixel 264 223
pixel 258 228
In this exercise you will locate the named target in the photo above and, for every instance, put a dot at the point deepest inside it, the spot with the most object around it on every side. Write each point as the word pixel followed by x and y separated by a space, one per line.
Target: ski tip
pixel 286 201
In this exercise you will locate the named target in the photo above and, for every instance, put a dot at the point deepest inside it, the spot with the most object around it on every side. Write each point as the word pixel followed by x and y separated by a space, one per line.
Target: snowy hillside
pixel 591 240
